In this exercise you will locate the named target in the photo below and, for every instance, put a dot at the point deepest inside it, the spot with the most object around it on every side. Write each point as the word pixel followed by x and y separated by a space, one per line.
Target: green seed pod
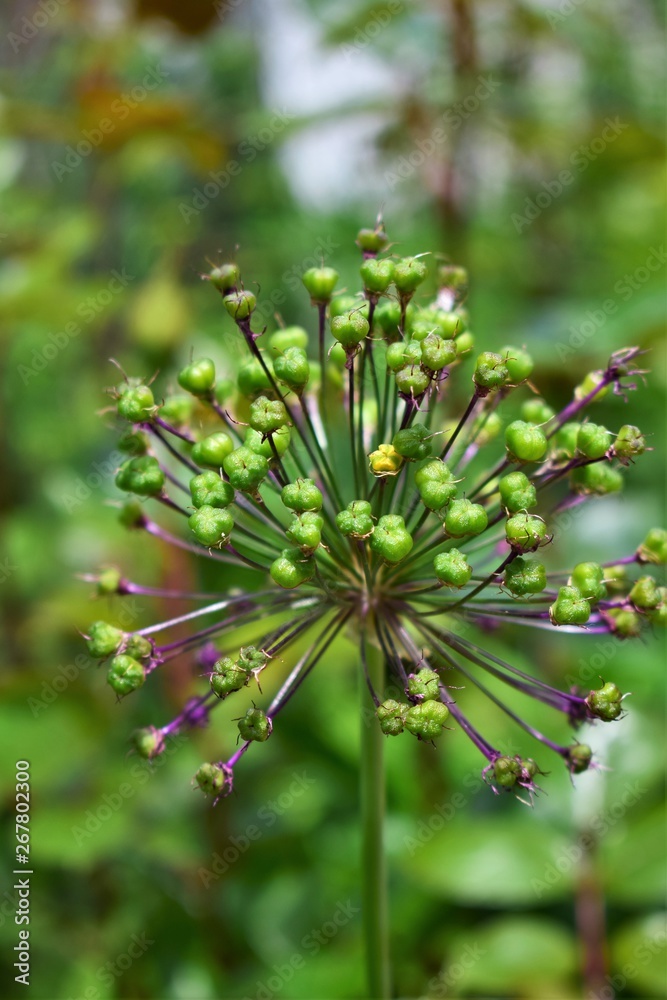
pixel 350 329
pixel 228 676
pixel 346 304
pixel 464 343
pixel 292 569
pixel 385 461
pixel 177 410
pixel 452 568
pixel 591 381
pixel 255 726
pixel 132 515
pixel 424 685
pixel 225 278
pixel 391 715
pixel 262 445
pixel 517 492
pixel 629 443
pixel 245 469
pixel 436 484
pixel 209 490
pixel 599 478
pixel 372 240
pixel 579 757
pixel 293 369
pixel 142 476
pixel 211 526
pixel 434 320
pixel 536 411
pixel 109 581
pixel 658 615
pixel 134 443
pixel 149 742
pixel 569 608
pixel 645 594
pixel 593 440
pixel 413 443
pixel 252 380
pixel 566 441
pixel 240 305
pixel 252 659
pixel 283 340
pixel 267 415
pixel 605 704
pixel 654 547
pixel 518 362
pixel 377 275
pixel 136 403
pixel 437 352
pixel 506 771
pixel 306 531
pixel 491 372
pixel 320 282
pixel 412 381
pixel 626 624
pixel 104 639
pixel 454 279
pixel 301 495
pixel 588 578
pixel 525 532
pixel 198 377
pixel 465 518
pixel 409 273
pixel 525 575
pixel 427 720
pixel 138 647
pixel 403 353
pixel 212 451
pixel 391 539
pixel 525 442
pixel 125 674
pixel 356 521
pixel 387 316
pixel 616 578
pixel 214 780
pixel 529 769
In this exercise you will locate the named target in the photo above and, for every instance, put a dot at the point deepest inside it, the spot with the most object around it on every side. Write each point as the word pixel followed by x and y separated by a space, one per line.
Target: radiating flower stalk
pixel 341 478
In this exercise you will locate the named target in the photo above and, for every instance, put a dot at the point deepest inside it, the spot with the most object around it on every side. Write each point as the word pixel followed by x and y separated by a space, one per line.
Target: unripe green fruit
pixel 177 410
pixel 225 277
pixel 569 608
pixel 566 440
pixel 387 316
pixel 629 443
pixel 262 446
pixel 412 381
pixel 252 380
pixel 356 521
pixel 149 743
pixel 403 353
pixel 211 526
pixel 599 478
pixel 605 704
pixel 125 674
pixel 518 362
pixel 252 659
pixel 536 411
pixel 506 771
pixel 645 594
pixel 385 460
pixel 198 377
pixel 377 275
pixel 525 532
pixel 227 677
pixel 391 715
pixel 517 492
pixel 141 475
pixel 524 576
pixel 627 624
pixel 132 515
pixel 347 303
pixel 350 329
pixel 654 547
pixel 372 240
pixel 267 415
pixel 138 646
pixel 134 443
pixel 292 368
pixel 302 495
pixel 104 639
pixel 255 726
pixel 491 372
pixel 427 720
pixel 413 443
pixel 283 340
pixel 292 569
pixel 210 490
pixel 465 518
pixel 245 469
pixel 464 343
pixel 592 440
pixel 136 403
pixel 240 305
pixel 436 485
pixel 588 578
pixel 391 539
pixel 434 320
pixel 424 685
pixel 109 581
pixel 658 615
pixel 409 273
pixel 579 757
pixel 437 352
pixel 306 531
pixel 525 442
pixel 320 282
pixel 452 568
pixel 213 450
pixel 214 780
pixel 591 381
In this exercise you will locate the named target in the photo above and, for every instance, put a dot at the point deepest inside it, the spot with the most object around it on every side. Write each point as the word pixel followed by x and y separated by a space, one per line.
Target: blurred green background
pixel 524 140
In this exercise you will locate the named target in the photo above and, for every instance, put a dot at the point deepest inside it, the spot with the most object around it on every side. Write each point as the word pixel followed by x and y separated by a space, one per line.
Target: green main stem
pixel 375 906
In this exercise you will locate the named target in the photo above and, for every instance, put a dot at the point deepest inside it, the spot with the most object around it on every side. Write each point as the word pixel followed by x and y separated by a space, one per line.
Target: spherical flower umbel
pixel 333 471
